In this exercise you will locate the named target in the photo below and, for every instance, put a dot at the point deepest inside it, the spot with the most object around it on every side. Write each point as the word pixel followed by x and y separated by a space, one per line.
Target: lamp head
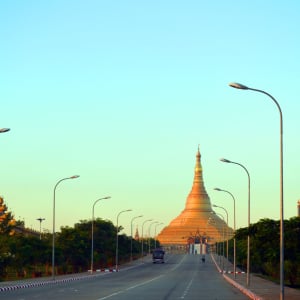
pixel 225 160
pixel 108 197
pixel 74 176
pixel 238 86
pixel 217 189
pixel 4 130
pixel 214 205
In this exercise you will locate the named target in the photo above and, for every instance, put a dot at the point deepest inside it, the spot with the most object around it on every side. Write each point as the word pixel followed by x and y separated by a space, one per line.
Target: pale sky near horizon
pixel 122 93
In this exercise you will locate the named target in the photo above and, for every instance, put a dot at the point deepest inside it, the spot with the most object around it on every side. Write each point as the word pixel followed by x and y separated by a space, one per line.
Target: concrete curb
pixel 41 283
pixel 63 280
pixel 235 284
pixel 242 289
pixel 56 281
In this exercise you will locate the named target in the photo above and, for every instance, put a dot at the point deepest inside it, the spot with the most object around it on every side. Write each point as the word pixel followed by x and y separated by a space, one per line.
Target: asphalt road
pixel 180 277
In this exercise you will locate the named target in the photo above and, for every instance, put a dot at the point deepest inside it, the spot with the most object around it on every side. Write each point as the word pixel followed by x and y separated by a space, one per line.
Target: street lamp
pixel 131 234
pixel 243 87
pixel 40 220
pixel 117 241
pixel 53 229
pixel 234 241
pixel 226 233
pixel 223 226
pixel 248 238
pixel 143 235
pixel 4 130
pixel 208 222
pixel 92 250
pixel 211 221
pixel 149 230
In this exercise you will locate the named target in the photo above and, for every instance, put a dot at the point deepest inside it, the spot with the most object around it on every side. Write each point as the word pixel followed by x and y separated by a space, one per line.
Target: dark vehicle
pixel 158 256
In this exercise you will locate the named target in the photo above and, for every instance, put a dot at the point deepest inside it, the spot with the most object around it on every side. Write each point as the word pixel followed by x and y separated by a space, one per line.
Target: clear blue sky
pixel 122 93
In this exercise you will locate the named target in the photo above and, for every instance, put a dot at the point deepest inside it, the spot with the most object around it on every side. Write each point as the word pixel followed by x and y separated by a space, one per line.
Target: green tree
pixel 292 250
pixel 7 225
pixel 29 253
pixel 74 245
pixel 5 255
pixel 72 249
pixel 265 248
pixel 104 243
pixel 7 221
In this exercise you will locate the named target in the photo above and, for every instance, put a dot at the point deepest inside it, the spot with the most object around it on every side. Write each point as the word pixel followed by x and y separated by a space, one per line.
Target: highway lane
pixel 181 277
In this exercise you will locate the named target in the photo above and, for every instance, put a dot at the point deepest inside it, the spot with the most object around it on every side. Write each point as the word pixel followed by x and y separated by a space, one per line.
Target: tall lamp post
pixel 149 234
pixel 40 220
pixel 226 233
pixel 234 227
pixel 53 229
pixel 93 218
pixel 131 234
pixel 248 238
pixel 223 226
pixel 243 87
pixel 207 223
pixel 143 236
pixel 117 238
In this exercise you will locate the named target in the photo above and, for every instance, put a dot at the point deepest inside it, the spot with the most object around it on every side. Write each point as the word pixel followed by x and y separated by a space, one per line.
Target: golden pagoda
pixel 197 220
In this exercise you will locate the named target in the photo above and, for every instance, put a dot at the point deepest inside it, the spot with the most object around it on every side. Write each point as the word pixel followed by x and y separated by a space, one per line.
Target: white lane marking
pixel 130 288
pixel 188 286
pixel 176 266
pixel 187 289
pixel 140 284
pixel 145 282
pixel 111 295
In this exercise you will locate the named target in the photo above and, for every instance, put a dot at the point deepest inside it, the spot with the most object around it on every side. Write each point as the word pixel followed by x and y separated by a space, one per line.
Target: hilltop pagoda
pixel 197 220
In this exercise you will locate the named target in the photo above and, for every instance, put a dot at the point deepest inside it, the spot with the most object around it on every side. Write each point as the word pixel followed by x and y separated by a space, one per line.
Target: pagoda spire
pixel 137 235
pixel 198 198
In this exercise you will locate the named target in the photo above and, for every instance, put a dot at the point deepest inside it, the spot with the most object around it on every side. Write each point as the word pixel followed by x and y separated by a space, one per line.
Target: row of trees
pixel 25 255
pixel 265 251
